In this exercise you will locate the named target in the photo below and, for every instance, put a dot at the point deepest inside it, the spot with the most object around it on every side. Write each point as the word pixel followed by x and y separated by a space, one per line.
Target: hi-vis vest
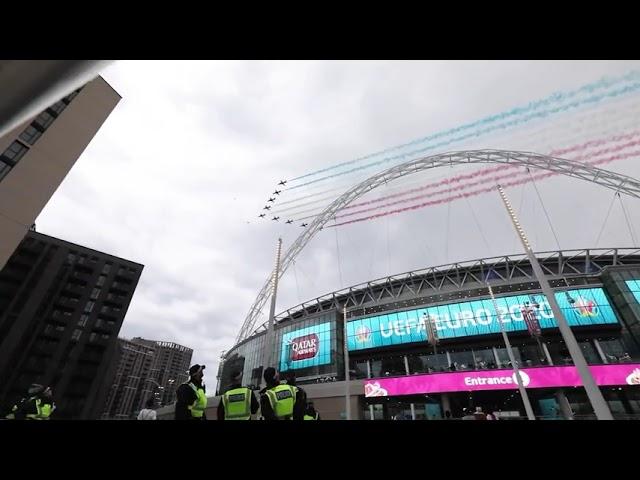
pixel 309 417
pixel 237 404
pixel 200 404
pixel 43 410
pixel 282 398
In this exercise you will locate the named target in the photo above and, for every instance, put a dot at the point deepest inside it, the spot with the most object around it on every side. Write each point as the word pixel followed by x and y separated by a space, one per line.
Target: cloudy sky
pixel 178 173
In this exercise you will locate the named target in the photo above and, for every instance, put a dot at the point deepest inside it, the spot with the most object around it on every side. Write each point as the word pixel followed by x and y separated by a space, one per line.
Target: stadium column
pixel 347 377
pixel 406 369
pixel 565 407
pixel 271 334
pixel 599 404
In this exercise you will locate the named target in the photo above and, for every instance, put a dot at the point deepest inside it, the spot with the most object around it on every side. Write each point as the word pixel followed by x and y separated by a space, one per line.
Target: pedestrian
pixel 191 398
pixel 447 415
pixel 479 414
pixel 466 414
pixel 238 402
pixel 36 405
pixel 148 413
pixel 310 412
pixel 301 395
pixel 278 401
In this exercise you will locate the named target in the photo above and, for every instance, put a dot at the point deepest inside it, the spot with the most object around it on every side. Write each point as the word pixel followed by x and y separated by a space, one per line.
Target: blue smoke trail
pixel 534 105
pixel 543 114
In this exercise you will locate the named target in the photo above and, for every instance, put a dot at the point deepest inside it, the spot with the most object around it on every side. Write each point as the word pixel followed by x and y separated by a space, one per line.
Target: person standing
pixel 277 401
pixel 37 405
pixel 148 413
pixel 238 402
pixel 191 398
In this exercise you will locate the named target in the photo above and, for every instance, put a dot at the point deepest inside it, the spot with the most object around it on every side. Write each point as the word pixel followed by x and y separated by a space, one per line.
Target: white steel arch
pixel 605 178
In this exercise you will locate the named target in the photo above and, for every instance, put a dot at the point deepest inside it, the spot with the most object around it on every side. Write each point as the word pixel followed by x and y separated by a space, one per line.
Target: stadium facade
pixel 428 342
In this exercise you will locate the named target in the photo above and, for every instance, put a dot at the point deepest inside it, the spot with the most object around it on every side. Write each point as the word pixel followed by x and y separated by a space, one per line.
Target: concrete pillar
pixel 563 403
pixel 603 357
pixel 446 403
pixel 546 353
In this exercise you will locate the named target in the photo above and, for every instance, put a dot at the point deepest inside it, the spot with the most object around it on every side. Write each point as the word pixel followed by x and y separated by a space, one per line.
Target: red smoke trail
pixel 483 190
pixel 498 168
pixel 492 180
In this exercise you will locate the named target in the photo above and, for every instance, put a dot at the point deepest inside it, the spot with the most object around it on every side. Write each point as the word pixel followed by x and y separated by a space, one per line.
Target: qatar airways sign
pixel 540 377
pixel 306 347
pixel 581 307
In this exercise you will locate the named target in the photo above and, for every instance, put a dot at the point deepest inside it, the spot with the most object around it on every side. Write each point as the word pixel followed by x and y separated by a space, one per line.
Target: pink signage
pixel 540 377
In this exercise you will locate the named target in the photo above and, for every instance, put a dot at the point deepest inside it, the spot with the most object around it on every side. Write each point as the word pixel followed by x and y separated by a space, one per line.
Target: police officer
pixel 280 402
pixel 301 395
pixel 38 405
pixel 191 398
pixel 310 413
pixel 238 402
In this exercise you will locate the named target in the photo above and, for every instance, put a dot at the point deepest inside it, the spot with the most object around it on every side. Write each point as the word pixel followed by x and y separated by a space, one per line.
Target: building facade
pixel 146 369
pixel 61 308
pixel 428 342
pixel 36 156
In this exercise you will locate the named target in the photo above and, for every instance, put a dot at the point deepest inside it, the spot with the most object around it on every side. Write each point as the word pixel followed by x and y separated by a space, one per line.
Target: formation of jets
pixel 273 199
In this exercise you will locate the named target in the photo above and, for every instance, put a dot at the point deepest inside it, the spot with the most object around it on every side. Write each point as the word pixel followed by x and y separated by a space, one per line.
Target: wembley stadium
pixel 428 344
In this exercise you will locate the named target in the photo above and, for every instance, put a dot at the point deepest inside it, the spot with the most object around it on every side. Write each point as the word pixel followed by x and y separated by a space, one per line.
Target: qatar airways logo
pixel 472 381
pixel 304 347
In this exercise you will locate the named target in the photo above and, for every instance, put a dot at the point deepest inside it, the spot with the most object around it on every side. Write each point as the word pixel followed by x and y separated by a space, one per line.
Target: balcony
pixel 74 288
pixel 119 287
pixel 125 276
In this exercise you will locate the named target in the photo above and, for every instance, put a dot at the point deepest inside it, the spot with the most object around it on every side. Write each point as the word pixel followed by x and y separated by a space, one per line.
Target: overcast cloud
pixel 178 173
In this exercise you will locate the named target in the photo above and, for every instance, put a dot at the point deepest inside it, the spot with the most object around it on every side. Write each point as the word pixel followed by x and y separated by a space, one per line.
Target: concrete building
pixel 36 156
pixel 61 309
pixel 146 368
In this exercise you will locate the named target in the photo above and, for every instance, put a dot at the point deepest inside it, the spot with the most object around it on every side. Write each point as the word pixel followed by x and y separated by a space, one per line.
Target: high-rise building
pixel 170 366
pixel 146 368
pixel 36 156
pixel 134 363
pixel 61 309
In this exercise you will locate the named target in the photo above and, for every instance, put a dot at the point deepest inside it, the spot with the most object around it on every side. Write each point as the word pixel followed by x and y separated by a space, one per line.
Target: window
pixel 101 280
pixel 614 350
pixel 95 293
pixel 44 120
pixel 92 337
pixel 30 135
pixel 462 360
pixel 13 153
pixel 106 269
pixel 77 333
pixel 4 169
pixel 484 358
pixel 89 307
pixel 83 320
pixel 71 96
pixel 58 107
